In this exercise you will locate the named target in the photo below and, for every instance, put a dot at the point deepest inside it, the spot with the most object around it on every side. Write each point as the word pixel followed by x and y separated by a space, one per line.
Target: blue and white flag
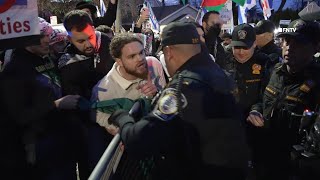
pixel 243 10
pixel 152 19
pixel 103 8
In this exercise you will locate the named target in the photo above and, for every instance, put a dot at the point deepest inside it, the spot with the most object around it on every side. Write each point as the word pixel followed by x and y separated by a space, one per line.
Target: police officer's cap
pixel 303 31
pixel 243 35
pixel 264 26
pixel 179 33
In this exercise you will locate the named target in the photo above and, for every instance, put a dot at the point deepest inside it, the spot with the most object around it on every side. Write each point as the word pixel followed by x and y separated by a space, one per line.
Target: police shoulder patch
pixel 168 104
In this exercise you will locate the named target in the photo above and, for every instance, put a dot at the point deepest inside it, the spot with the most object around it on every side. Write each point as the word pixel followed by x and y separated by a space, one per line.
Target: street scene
pixel 160 89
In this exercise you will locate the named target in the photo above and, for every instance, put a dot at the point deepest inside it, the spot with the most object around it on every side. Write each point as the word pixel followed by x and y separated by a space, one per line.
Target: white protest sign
pixel 226 15
pixel 18 18
pixel 53 20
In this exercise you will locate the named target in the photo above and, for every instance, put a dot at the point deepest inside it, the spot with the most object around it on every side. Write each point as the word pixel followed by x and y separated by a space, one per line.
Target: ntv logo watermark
pixel 284 30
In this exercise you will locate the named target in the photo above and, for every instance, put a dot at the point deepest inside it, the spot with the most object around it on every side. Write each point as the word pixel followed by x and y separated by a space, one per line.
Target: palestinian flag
pixel 213 5
pixel 217 5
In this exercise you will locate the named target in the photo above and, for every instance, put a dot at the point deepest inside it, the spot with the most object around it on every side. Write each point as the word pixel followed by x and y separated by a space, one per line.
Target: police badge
pixel 242 34
pixel 256 68
pixel 168 104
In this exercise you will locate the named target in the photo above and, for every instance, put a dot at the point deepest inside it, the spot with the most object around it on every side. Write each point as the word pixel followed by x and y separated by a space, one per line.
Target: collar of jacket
pixel 270 47
pixel 310 71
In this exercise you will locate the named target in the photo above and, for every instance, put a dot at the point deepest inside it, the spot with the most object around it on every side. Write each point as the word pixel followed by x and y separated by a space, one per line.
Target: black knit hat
pixel 85 4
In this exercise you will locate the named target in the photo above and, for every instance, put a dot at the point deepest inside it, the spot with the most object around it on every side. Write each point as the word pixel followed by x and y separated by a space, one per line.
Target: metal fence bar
pixel 104 165
pixel 110 159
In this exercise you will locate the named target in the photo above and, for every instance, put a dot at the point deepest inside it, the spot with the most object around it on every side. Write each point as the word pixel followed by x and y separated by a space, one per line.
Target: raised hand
pixel 148 89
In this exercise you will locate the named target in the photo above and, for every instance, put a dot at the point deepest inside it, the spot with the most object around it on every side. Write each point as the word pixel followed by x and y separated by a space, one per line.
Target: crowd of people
pixel 212 105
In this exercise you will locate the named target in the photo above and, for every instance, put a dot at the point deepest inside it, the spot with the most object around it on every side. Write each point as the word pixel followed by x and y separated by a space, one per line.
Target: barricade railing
pixel 110 159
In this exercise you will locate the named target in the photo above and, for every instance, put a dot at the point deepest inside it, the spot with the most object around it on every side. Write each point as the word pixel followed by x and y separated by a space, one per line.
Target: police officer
pixel 265 42
pixel 293 87
pixel 248 68
pixel 249 72
pixel 193 130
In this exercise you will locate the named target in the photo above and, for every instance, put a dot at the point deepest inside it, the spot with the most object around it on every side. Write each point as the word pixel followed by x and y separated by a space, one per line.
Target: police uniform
pixel 251 78
pixel 285 98
pixel 193 128
pixel 273 51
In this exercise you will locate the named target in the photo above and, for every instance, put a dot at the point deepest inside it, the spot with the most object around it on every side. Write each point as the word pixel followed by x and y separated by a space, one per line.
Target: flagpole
pixel 118 18
pixel 200 9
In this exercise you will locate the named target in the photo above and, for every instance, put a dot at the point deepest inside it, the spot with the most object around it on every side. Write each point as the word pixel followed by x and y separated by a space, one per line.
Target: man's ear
pixel 254 44
pixel 119 61
pixel 204 24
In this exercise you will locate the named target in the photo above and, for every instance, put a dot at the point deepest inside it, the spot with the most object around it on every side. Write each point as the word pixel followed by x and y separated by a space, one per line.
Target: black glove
pixel 116 116
pixel 213 33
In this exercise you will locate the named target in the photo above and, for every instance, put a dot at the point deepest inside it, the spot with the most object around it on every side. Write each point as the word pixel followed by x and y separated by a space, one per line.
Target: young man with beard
pixel 85 62
pixel 132 76
pixel 87 58
pixel 212 24
pixel 190 132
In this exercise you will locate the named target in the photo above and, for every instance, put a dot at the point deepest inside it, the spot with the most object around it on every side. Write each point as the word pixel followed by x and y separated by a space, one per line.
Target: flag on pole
pixel 266 9
pixel 152 19
pixel 243 10
pixel 98 12
pixel 103 8
pixel 213 5
pixel 240 2
pixel 217 5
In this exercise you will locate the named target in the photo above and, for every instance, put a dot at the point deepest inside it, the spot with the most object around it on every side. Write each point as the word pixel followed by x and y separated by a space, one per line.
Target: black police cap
pixel 243 35
pixel 264 26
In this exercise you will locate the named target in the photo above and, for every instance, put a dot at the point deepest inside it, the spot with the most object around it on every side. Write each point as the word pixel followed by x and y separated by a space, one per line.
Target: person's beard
pixel 141 75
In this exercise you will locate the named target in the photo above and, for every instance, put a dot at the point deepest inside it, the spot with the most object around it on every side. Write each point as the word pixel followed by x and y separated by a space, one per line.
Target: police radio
pixel 309 131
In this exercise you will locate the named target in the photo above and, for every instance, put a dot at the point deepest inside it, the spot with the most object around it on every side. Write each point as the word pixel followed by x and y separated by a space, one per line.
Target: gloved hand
pixel 116 116
pixel 213 33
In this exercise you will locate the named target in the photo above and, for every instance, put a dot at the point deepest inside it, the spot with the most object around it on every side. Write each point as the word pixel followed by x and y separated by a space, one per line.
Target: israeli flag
pixel 243 10
pixel 103 8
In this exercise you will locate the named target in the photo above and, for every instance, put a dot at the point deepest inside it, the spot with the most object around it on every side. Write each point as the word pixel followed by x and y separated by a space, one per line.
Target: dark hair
pixel 119 41
pixel 104 29
pixel 226 35
pixel 77 19
pixel 86 4
pixel 197 25
pixel 206 16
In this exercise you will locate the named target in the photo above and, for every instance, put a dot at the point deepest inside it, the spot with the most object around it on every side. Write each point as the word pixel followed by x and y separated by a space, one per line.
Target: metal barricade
pixel 109 161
